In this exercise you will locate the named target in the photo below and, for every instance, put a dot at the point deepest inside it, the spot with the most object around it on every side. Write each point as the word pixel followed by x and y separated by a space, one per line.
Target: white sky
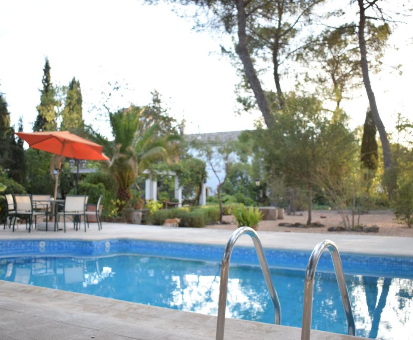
pixel 147 48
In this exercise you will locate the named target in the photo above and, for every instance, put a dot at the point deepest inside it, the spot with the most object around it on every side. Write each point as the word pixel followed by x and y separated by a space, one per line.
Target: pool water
pixel 382 306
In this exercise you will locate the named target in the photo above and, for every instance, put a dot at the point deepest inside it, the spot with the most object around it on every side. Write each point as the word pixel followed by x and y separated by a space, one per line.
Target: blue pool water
pixel 188 279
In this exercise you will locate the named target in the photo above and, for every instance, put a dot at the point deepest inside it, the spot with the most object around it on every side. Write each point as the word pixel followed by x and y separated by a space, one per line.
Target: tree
pixel 369 147
pixel 382 33
pixel 17 167
pixel 333 61
pixel 303 141
pixel 72 119
pixel 46 118
pixel 133 149
pixel 5 132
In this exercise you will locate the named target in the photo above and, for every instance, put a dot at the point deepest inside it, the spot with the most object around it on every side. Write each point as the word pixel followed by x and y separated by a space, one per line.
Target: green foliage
pixel 247 217
pixel 369 146
pixel 91 190
pixel 66 182
pixel 403 203
pixel 211 213
pixel 193 219
pixel 192 173
pixel 46 118
pixel 11 152
pixel 159 216
pixel 153 206
pixel 72 118
pixel 39 180
pixel 9 186
pixel 136 146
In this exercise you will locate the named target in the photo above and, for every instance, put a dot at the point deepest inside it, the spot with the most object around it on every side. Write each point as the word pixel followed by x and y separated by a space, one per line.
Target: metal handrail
pixel 224 278
pixel 309 287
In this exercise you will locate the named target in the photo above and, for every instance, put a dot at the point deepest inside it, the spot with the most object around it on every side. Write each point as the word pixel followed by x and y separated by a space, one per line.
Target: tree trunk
pixel 370 94
pixel 221 209
pixel 242 51
pixel 277 81
pixel 310 204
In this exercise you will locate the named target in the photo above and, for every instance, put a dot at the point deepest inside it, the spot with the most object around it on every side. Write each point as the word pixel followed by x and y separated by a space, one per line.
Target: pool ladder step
pixel 308 286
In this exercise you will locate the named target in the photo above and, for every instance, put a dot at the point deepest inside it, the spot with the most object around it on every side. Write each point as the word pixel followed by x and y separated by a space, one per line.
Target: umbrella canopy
pixel 64 144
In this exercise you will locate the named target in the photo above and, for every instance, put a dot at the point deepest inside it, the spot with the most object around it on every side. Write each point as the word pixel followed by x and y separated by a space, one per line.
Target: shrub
pixel 211 213
pixel 193 219
pixel 10 187
pixel 154 206
pixel 229 208
pixel 91 190
pixel 247 217
pixel 246 200
pixel 212 199
pixel 403 204
pixel 159 217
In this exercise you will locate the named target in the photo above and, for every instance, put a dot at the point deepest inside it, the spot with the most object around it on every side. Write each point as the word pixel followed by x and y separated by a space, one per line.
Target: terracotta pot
pixel 92 218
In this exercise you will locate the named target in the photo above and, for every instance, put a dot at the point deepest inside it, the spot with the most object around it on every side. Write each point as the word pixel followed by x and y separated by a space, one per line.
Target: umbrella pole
pixel 77 176
pixel 57 178
pixel 58 171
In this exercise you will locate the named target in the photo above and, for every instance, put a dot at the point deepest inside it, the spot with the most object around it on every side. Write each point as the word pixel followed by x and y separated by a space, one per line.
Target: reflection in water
pixel 383 307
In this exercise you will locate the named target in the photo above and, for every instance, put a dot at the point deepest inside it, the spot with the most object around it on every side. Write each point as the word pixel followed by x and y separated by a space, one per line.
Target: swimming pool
pixel 156 274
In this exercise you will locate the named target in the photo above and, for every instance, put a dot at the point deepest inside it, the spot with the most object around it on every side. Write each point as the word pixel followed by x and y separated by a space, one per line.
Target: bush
pixel 212 199
pixel 403 204
pixel 229 208
pixel 12 187
pixel 159 217
pixel 193 219
pixel 247 217
pixel 211 213
pixel 154 206
pixel 91 190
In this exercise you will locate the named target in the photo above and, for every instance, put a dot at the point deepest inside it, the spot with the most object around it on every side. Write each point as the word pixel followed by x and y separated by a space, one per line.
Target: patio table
pixel 54 208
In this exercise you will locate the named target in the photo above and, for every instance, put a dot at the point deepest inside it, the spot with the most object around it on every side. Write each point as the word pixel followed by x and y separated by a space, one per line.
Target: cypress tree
pixel 17 164
pixel 46 118
pixel 4 116
pixel 4 132
pixel 369 146
pixel 72 118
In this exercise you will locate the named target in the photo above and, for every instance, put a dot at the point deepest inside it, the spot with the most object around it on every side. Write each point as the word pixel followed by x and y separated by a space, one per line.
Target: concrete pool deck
pixel 31 313
pixel 358 244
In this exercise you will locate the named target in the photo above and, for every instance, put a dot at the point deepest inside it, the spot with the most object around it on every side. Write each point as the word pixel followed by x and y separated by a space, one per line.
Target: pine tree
pixel 72 118
pixel 46 118
pixel 369 146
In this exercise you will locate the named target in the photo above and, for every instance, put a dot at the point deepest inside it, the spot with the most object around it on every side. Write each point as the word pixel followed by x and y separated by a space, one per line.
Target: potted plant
pixel 247 217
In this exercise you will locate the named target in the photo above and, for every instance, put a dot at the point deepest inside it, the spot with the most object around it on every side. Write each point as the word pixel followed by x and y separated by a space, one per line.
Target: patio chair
pixel 74 206
pixel 11 209
pixel 96 213
pixel 24 207
pixel 42 203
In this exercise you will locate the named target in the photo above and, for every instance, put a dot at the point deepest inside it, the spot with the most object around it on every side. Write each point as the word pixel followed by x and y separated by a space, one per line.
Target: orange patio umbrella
pixel 64 144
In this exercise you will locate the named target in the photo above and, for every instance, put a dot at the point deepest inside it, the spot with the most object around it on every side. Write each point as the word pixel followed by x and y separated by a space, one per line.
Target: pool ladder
pixel 308 286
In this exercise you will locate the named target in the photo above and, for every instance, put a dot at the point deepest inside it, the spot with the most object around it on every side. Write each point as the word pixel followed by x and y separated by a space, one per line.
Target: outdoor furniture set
pixel 29 207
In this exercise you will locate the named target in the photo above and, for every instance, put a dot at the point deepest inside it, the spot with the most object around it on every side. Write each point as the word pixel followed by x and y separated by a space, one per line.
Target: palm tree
pixel 136 146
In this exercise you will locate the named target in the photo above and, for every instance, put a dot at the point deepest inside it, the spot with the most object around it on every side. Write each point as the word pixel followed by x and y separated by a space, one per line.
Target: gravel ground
pixel 388 226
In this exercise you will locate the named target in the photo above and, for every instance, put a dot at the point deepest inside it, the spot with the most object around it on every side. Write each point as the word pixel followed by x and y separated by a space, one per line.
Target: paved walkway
pixel 34 313
pixel 362 244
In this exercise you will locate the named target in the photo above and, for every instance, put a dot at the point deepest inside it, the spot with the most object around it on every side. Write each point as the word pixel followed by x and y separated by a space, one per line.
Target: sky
pixel 146 48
